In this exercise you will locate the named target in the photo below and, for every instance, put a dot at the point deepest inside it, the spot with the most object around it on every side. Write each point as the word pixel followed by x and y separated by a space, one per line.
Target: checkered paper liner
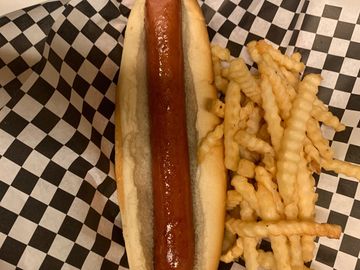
pixel 59 64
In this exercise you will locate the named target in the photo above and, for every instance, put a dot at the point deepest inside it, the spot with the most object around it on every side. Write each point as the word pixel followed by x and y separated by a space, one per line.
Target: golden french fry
pixel 245 114
pixel 327 118
pixel 296 256
pixel 308 247
pixel 263 177
pixel 296 56
pixel 212 139
pixel 313 132
pixel 266 203
pixel 246 168
pixel 269 163
pixel 231 120
pixel 306 192
pixel 312 155
pixel 239 72
pixel 234 252
pixel 271 115
pixel 281 249
pixel 250 253
pixel 253 143
pixel 290 77
pixel 247 192
pixel 266 67
pixel 282 59
pixel 293 138
pixel 254 53
pixel 264 229
pixel 342 167
pixel 253 123
pixel 217 107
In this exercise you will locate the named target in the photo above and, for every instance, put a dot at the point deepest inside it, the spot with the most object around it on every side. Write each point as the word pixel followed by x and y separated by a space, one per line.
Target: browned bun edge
pixel 132 150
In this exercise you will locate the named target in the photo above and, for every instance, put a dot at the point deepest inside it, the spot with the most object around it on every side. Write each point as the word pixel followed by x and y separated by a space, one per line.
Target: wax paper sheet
pixel 59 65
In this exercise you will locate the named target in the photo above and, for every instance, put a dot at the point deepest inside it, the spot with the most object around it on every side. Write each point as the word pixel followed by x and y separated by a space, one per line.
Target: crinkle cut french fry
pixel 282 59
pixel 247 154
pixel 306 192
pixel 239 72
pixel 342 167
pixel 327 118
pixel 247 192
pixel 212 139
pixel 264 229
pixel 217 107
pixel 264 177
pixel 293 138
pixel 245 113
pixel 308 247
pixel 231 120
pixel 290 77
pixel 271 116
pixel 296 256
pixel 312 155
pixel 253 143
pixel 281 249
pixel 234 252
pixel 253 123
pixel 250 253
pixel 254 53
pixel 281 94
pixel 314 134
pixel 266 204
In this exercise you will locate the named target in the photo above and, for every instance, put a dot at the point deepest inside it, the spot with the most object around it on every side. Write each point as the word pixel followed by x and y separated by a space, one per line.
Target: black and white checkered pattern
pixel 58 71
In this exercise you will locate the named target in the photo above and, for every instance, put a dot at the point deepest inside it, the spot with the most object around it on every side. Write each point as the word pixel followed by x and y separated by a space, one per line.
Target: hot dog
pixel 157 138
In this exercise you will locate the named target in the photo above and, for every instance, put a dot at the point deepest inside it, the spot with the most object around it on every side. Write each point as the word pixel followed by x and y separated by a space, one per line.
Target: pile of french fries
pixel 273 145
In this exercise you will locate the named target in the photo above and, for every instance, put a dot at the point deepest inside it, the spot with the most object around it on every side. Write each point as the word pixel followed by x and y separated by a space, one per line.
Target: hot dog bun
pixel 132 146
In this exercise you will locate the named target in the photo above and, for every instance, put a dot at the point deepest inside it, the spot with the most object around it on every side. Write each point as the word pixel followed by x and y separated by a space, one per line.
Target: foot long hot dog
pixel 172 205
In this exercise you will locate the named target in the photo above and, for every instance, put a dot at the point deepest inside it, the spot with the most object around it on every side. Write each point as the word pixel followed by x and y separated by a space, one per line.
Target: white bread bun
pixel 132 146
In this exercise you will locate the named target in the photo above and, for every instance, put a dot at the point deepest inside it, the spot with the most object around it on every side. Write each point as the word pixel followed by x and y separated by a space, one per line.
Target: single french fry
pixel 292 79
pixel 269 163
pixel 296 256
pixel 282 59
pixel 271 115
pixel 250 253
pixel 266 204
pixel 234 252
pixel 264 229
pixel 306 192
pixel 312 155
pixel 253 123
pixel 327 118
pixel 231 120
pixel 212 139
pixel 246 168
pixel 239 72
pixel 254 53
pixel 308 247
pixel 253 143
pixel 313 132
pixel 281 94
pixel 293 138
pixel 247 192
pixel 281 249
pixel 263 177
pixel 339 166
